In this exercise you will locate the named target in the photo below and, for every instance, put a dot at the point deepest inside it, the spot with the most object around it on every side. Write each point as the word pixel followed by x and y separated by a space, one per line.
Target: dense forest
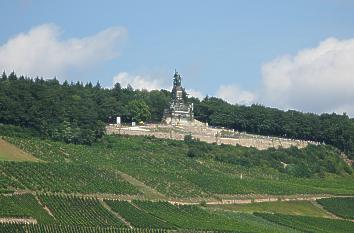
pixel 77 112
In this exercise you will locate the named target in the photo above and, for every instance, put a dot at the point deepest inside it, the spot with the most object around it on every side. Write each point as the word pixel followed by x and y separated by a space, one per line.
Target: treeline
pixel 77 112
pixel 73 112
pixel 333 129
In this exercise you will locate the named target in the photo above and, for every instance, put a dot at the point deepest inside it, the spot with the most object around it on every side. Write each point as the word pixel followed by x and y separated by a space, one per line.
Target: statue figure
pixel 177 79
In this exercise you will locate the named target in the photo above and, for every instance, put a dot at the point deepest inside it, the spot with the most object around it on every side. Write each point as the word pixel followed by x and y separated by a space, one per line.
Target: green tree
pixel 138 110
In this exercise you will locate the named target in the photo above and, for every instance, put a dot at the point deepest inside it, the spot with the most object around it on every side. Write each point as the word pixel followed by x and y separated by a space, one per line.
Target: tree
pixel 138 110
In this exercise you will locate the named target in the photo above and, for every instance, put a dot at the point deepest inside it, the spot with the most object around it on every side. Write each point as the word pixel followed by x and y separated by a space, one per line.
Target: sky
pixel 285 54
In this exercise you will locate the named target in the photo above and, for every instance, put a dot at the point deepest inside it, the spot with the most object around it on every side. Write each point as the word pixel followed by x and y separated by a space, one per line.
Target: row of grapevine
pixel 137 217
pixel 23 206
pixel 15 228
pixel 310 224
pixel 189 217
pixel 66 177
pixel 343 206
pixel 79 211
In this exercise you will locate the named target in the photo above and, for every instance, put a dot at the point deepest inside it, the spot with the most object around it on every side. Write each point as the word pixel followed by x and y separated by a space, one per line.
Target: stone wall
pixel 207 134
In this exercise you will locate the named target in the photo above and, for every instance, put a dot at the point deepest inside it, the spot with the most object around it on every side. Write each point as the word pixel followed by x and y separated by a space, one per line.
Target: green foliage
pixel 196 148
pixel 74 113
pixel 16 131
pixel 138 110
pixel 343 207
pixel 307 162
pixel 310 224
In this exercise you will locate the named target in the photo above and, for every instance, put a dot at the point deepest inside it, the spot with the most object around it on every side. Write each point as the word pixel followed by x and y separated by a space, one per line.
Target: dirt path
pixel 44 206
pixel 255 200
pixel 107 207
pixel 237 199
pixel 147 191
pixel 324 210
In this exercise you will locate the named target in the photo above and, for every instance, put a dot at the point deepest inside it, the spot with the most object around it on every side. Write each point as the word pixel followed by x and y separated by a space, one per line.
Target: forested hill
pixel 77 113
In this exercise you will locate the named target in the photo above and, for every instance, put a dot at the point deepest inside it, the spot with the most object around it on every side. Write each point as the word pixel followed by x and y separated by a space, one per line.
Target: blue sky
pixel 231 49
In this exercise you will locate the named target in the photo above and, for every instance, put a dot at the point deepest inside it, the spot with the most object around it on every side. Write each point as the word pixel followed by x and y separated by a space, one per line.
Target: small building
pixel 179 111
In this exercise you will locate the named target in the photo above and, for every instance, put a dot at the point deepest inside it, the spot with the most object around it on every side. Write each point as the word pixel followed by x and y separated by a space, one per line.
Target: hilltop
pixel 78 113
pixel 60 172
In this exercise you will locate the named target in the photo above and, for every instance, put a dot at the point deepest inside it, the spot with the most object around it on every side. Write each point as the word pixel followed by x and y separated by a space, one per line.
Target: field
pixel 123 184
pixel 305 208
pixel 343 207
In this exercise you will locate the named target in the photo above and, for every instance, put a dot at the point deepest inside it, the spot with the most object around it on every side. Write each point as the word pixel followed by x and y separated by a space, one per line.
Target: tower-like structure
pixel 180 111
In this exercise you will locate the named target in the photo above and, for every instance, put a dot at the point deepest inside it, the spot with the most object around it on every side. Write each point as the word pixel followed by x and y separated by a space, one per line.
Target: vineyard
pixel 23 206
pixel 138 217
pixel 72 229
pixel 78 211
pixel 80 188
pixel 57 213
pixel 310 224
pixel 194 217
pixel 163 166
pixel 65 177
pixel 343 207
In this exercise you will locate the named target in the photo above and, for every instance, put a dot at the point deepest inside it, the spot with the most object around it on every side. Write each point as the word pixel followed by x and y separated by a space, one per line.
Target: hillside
pixel 77 112
pixel 116 180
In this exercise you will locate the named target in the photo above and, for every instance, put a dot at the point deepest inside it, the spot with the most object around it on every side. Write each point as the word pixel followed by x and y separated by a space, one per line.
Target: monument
pixel 179 111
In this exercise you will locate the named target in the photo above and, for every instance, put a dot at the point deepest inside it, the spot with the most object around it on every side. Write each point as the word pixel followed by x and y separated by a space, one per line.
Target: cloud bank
pixel 40 51
pixel 235 95
pixel 145 82
pixel 318 80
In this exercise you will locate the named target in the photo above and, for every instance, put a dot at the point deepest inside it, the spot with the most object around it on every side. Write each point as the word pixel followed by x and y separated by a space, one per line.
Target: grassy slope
pixel 12 153
pixel 305 208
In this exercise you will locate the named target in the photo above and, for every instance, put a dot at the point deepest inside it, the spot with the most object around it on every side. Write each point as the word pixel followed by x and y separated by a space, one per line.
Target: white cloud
pixel 149 82
pixel 139 81
pixel 318 80
pixel 195 93
pixel 41 52
pixel 235 95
